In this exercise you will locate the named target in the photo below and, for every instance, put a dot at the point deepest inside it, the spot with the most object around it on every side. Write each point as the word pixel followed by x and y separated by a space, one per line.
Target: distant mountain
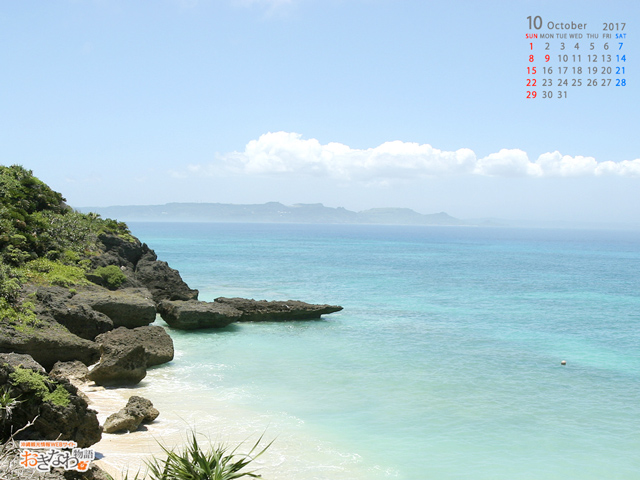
pixel 272 212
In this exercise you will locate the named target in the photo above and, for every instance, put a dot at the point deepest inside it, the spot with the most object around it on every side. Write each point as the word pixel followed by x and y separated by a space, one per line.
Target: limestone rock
pixel 48 343
pixel 126 308
pixel 76 372
pixel 64 416
pixel 127 252
pixel 276 311
pixel 138 410
pixel 156 342
pixel 82 320
pixel 163 282
pixel 193 314
pixel 120 366
pixel 61 305
pixel 21 360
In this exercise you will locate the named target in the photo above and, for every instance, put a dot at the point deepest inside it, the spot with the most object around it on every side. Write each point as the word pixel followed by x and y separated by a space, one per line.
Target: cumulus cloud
pixel 507 163
pixel 281 153
pixel 557 165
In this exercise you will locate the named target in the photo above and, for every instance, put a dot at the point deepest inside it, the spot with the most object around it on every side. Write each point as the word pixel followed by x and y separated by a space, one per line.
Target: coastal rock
pixel 138 410
pixel 21 360
pixel 193 314
pixel 48 343
pixel 120 366
pixel 75 372
pixel 54 407
pixel 127 251
pixel 156 342
pixel 276 311
pixel 163 282
pixel 83 321
pixel 79 318
pixel 63 306
pixel 129 308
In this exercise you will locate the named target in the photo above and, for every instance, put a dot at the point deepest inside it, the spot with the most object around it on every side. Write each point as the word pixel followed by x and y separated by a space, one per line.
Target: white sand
pixel 293 454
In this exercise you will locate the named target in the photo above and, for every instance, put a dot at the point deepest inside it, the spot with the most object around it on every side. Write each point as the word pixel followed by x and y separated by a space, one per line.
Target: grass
pixel 7 404
pixel 48 272
pixel 21 317
pixel 36 383
pixel 218 462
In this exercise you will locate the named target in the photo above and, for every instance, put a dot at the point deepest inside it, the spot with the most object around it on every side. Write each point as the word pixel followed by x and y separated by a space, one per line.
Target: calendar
pixel 564 56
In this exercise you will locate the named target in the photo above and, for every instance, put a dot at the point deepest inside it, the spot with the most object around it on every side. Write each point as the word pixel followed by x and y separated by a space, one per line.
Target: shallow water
pixel 444 364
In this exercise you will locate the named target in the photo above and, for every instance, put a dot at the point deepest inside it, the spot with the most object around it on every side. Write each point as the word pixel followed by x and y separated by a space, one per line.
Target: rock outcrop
pixel 119 251
pixel 163 282
pixel 276 311
pixel 120 366
pixel 48 343
pixel 137 411
pixel 131 307
pixel 21 360
pixel 156 342
pixel 65 308
pixel 223 311
pixel 75 372
pixel 193 314
pixel 54 407
pixel 142 268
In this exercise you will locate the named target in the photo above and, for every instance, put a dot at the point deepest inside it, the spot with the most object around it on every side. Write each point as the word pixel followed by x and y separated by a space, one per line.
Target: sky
pixel 352 103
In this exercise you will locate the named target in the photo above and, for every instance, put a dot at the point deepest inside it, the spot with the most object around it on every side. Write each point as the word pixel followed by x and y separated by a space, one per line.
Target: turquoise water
pixel 444 363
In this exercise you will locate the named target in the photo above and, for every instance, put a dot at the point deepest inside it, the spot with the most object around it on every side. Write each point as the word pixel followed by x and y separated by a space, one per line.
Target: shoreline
pixel 295 453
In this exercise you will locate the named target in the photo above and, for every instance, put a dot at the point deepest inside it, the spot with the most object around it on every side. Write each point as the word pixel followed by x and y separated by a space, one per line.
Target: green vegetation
pixel 194 463
pixel 36 383
pixel 43 271
pixel 7 404
pixel 114 228
pixel 45 242
pixel 21 317
pixel 112 275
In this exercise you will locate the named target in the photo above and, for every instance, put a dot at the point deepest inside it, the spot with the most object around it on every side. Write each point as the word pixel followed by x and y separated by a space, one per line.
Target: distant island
pixel 273 212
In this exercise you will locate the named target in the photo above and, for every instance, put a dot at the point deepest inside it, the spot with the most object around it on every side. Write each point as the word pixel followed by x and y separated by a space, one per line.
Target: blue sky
pixel 354 103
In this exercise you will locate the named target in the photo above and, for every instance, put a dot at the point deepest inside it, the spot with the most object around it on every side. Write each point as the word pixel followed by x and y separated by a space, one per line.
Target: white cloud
pixel 282 153
pixel 557 165
pixel 507 163
pixel 626 168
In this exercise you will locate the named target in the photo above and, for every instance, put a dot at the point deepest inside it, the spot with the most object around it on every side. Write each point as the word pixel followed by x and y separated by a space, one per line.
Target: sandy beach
pixel 294 454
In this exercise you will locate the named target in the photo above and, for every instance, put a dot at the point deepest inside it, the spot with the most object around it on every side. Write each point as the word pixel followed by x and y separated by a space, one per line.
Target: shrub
pixel 10 283
pixel 113 227
pixel 36 383
pixel 194 463
pixel 111 275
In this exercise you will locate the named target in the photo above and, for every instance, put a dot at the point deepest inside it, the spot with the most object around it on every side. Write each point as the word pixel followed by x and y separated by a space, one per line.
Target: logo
pixel 64 454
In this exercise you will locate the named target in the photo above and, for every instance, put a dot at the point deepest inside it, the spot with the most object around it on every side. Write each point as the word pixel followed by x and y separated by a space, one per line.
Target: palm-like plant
pixel 7 404
pixel 193 463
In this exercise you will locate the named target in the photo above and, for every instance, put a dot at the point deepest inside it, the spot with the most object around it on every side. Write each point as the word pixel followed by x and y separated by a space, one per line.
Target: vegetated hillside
pixel 43 241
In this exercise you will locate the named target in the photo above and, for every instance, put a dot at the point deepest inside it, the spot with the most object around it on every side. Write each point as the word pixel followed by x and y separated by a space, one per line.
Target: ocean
pixel 444 364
